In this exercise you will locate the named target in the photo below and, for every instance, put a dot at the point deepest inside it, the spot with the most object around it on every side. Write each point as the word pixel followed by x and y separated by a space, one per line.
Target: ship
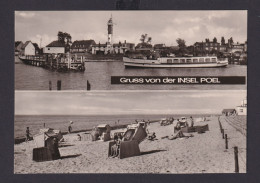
pixel 176 62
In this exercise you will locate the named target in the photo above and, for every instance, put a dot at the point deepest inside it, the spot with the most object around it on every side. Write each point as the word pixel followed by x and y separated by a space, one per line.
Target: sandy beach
pixel 203 153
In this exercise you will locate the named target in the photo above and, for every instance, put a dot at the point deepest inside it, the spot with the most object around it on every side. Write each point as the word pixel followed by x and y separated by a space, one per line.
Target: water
pixel 99 76
pixel 35 122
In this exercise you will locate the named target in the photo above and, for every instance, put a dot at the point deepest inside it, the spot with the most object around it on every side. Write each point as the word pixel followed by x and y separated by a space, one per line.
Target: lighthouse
pixel 110 31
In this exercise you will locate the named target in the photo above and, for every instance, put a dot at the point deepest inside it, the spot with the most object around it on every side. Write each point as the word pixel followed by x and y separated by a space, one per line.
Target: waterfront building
pixel 82 46
pixel 27 48
pixel 37 49
pixel 207 45
pixel 55 47
pixel 18 47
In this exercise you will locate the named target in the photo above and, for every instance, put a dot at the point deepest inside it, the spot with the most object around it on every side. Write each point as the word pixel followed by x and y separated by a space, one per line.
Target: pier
pixel 60 62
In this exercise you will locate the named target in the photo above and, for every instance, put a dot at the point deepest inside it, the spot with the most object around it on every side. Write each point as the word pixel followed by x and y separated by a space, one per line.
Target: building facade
pixel 82 46
pixel 55 47
pixel 242 109
pixel 28 48
pixel 18 47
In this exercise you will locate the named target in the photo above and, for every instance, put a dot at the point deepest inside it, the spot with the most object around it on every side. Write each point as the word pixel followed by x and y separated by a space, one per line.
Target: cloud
pixel 162 26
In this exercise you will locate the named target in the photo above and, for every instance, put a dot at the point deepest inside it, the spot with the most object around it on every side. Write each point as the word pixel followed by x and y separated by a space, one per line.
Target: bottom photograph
pixel 161 132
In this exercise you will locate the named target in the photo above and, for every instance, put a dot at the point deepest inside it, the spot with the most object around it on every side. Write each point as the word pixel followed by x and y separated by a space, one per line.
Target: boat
pixel 176 62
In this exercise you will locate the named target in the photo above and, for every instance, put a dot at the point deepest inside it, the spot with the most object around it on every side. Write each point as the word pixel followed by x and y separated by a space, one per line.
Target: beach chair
pixel 129 146
pixel 101 132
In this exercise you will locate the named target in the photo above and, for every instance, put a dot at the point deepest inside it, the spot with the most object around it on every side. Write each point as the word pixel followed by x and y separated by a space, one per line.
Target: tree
pixel 182 46
pixel 145 39
pixel 222 41
pixel 61 37
pixel 214 40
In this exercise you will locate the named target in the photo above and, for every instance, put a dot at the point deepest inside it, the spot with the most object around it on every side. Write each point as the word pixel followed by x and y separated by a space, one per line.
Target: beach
pixel 202 153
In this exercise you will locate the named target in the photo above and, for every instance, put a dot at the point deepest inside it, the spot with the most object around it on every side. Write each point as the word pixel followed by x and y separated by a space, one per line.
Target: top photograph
pixel 131 50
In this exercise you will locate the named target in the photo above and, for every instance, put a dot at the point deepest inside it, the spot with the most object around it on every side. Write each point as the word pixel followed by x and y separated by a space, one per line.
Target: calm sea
pixel 36 122
pixel 99 76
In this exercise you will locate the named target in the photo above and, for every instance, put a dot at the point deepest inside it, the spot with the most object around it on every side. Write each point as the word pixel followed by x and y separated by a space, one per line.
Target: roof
pixel 25 44
pixel 56 44
pixel 228 110
pixel 36 46
pixel 17 43
pixel 159 46
pixel 83 43
pixel 103 126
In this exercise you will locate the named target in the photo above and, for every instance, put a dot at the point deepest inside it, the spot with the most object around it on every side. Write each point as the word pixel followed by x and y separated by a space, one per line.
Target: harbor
pixel 99 73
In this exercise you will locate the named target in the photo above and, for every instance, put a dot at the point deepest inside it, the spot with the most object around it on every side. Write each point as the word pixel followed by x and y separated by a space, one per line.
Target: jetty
pixel 57 62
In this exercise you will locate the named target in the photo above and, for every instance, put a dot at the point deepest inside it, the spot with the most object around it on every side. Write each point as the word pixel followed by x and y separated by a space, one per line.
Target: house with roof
pixel 18 47
pixel 82 46
pixel 229 112
pixel 55 47
pixel 27 48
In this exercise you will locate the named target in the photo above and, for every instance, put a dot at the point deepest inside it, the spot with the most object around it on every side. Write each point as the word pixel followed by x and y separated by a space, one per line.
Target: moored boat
pixel 176 62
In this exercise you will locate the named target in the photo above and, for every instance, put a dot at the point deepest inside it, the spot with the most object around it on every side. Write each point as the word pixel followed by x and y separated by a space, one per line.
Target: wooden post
pixel 50 87
pixel 236 159
pixel 223 134
pixel 226 141
pixel 88 86
pixel 59 85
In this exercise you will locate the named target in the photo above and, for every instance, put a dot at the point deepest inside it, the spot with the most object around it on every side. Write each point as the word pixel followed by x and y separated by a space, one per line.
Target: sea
pixel 82 122
pixel 99 73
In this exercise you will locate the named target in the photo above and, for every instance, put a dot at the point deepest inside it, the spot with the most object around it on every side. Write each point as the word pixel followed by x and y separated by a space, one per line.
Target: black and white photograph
pixel 160 132
pixel 84 50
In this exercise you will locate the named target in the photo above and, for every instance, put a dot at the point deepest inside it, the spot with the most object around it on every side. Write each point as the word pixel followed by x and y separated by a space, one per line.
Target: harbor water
pixel 99 74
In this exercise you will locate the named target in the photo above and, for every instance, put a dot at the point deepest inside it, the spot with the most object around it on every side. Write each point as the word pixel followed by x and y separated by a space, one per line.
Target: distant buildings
pixel 18 47
pixel 82 46
pixel 207 45
pixel 240 110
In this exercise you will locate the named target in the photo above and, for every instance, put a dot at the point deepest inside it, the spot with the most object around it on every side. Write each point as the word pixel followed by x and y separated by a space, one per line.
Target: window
pixel 195 60
pixel 213 59
pixel 201 59
pixel 241 110
pixel 188 60
pixel 182 60
pixel 207 60
pixel 175 60
pixel 169 61
pixel 48 48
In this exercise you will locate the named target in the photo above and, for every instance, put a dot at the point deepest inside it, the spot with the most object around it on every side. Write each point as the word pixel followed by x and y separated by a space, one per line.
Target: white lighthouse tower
pixel 110 31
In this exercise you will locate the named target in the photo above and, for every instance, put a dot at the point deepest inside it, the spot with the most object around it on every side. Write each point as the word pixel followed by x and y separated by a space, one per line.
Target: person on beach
pixel 70 127
pixel 27 134
pixel 192 122
pixel 115 147
pixel 179 134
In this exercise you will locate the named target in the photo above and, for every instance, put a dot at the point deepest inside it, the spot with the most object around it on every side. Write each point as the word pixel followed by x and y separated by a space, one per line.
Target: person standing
pixel 27 134
pixel 192 122
pixel 70 127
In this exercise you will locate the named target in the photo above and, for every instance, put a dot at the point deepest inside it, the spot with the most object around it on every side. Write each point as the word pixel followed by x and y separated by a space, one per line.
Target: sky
pixel 163 26
pixel 126 102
